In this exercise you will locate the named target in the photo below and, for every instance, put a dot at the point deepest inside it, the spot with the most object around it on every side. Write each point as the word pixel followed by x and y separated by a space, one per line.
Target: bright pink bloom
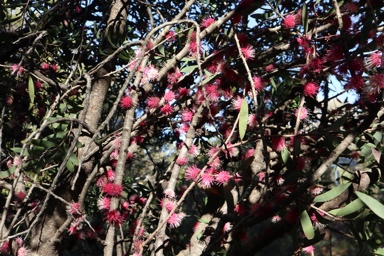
pixel 249 153
pixel 167 109
pixel 194 150
pixel 223 177
pixel 309 249
pixel 252 120
pixel 175 219
pixel 182 160
pixel 22 251
pixel 110 174
pixel 16 67
pixel 45 65
pixel 275 218
pixel 192 172
pixel 227 227
pixel 310 89
pixel 38 85
pixel 375 59
pixel 114 217
pixel 170 205
pixel 151 72
pixel 174 77
pixel 4 246
pixel 258 83
pixel 289 21
pixel 303 113
pixel 169 96
pixel 236 103
pixel 153 102
pixel 104 203
pixel 171 36
pixel 207 179
pixel 19 241
pixel 206 22
pixel 183 91
pixel 239 209
pixel 261 176
pixel 126 102
pixel 170 193
pixel 248 52
pixel 112 189
pixel 269 68
pixel 212 92
pixel 278 143
pixel 74 209
pixel 216 163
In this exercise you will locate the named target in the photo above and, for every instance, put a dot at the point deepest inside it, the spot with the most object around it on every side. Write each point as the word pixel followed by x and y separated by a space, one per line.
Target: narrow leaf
pixel 243 119
pixel 329 195
pixel 372 203
pixel 304 17
pixel 306 224
pixel 31 90
pixel 350 208
pixel 188 69
pixel 285 155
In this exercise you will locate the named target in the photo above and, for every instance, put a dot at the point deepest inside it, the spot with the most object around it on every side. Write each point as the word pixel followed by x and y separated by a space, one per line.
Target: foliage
pixel 190 127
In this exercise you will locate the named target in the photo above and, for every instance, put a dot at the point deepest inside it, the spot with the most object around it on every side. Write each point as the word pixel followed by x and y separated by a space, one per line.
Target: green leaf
pixel 306 224
pixel 161 49
pixel 209 78
pixel 304 17
pixel 31 91
pixel 243 119
pixel 188 69
pixel 285 155
pixel 372 203
pixel 350 208
pixel 329 195
pixel 7 173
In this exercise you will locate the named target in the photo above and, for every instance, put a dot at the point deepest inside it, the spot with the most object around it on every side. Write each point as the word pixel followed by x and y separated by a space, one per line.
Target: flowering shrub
pixel 190 128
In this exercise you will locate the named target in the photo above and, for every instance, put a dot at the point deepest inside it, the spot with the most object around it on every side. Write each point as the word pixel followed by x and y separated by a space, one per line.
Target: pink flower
pixel 187 115
pixel 192 172
pixel 206 22
pixel 151 72
pixel 171 36
pixel 278 143
pixel 289 21
pixel 170 205
pixel 104 203
pixel 239 209
pixel 236 103
pixel 207 179
pixel 22 251
pixel 112 189
pixel 126 102
pixel 310 89
pixel 182 160
pixel 375 59
pixel 261 176
pixel 227 227
pixel 4 246
pixel 258 83
pixel 153 102
pixel 74 209
pixel 212 92
pixel 355 82
pixel 216 163
pixel 167 109
pixel 110 174
pixel 248 52
pixel 183 91
pixel 38 85
pixel 275 218
pixel 249 153
pixel 17 68
pixel 174 77
pixel 269 68
pixel 175 219
pixel 170 193
pixel 19 241
pixel 252 120
pixel 223 177
pixel 45 65
pixel 169 96
pixel 114 217
pixel 316 191
pixel 194 150
pixel 303 113
pixel 309 249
